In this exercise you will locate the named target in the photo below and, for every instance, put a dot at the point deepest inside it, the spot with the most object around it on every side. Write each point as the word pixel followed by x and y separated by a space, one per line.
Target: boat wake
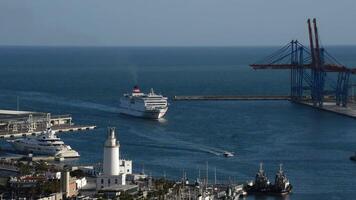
pixel 167 141
pixel 51 99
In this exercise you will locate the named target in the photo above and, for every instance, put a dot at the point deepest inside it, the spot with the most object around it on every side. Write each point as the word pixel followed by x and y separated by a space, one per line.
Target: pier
pixel 25 123
pixel 230 97
pixel 329 105
pixel 349 111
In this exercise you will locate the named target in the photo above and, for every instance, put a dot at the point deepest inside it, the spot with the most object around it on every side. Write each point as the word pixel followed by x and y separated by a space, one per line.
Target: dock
pixel 59 129
pixel 230 97
pixel 26 123
pixel 329 105
pixel 349 111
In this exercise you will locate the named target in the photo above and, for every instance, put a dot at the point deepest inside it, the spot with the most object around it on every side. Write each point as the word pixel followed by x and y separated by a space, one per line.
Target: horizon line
pixel 166 46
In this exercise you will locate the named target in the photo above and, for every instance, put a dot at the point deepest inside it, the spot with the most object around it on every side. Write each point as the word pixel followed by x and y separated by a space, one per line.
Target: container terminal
pixel 317 79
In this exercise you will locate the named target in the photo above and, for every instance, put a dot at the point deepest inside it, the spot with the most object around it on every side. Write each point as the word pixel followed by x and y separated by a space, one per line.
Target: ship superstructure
pixel 281 184
pixel 261 184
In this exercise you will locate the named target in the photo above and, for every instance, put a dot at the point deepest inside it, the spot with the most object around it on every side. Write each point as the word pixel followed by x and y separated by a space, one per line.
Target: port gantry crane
pixel 309 69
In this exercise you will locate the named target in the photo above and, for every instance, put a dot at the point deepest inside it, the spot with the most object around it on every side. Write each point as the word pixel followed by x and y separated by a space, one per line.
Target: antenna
pixel 280 167
pixel 183 177
pixel 261 167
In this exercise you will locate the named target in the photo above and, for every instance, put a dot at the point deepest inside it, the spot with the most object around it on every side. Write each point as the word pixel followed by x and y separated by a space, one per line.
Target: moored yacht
pixel 139 104
pixel 46 143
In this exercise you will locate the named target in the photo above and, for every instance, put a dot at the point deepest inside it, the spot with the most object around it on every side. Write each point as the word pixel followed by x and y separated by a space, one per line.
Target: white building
pixel 81 182
pixel 125 166
pixel 114 169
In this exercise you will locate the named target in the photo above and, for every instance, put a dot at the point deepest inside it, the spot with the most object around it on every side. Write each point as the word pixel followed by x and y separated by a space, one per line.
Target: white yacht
pixel 138 104
pixel 46 143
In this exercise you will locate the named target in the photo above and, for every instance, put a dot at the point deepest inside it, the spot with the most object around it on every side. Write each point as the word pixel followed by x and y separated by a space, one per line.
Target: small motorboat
pixel 228 154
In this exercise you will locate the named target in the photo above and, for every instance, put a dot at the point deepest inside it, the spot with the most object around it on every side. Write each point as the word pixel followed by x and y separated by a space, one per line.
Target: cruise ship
pixel 138 104
pixel 46 143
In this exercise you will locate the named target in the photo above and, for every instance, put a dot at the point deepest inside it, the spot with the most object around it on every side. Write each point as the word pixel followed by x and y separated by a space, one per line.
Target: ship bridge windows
pixel 155 102
pixel 160 105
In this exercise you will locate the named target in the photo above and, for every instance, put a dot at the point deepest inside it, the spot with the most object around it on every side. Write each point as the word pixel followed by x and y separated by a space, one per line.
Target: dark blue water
pixel 87 82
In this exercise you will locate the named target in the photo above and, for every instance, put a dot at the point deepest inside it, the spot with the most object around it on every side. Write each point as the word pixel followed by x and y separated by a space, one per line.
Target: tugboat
pixel 261 183
pixel 281 184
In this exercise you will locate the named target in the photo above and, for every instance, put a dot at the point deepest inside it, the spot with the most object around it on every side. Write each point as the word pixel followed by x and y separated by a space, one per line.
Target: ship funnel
pixel 136 89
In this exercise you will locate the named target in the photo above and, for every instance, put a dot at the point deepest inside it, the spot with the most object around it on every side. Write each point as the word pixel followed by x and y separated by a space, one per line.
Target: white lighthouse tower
pixel 114 169
pixel 111 164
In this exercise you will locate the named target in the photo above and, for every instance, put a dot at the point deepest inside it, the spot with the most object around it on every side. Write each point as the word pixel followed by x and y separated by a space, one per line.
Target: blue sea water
pixel 87 82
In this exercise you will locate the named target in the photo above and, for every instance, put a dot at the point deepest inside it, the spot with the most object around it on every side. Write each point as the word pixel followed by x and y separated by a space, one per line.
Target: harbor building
pixel 15 123
pixel 114 169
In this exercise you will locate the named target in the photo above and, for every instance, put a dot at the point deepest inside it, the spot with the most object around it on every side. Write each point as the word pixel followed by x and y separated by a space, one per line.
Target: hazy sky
pixel 173 22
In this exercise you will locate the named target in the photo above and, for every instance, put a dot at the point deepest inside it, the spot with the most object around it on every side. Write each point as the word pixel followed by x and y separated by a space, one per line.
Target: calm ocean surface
pixel 87 82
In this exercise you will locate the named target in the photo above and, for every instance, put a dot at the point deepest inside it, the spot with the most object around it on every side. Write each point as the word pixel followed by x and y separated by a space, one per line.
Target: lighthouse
pixel 114 170
pixel 111 164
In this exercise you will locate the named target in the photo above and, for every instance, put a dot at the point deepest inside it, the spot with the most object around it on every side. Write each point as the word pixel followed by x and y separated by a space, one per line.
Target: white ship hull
pixel 149 114
pixel 42 150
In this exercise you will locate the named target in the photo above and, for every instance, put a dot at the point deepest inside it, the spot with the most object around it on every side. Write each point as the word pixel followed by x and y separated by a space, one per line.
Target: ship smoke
pixel 134 74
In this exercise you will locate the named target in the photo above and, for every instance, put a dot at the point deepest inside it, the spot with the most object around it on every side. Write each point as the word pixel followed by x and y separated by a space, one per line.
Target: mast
pixel 261 167
pixel 215 176
pixel 207 173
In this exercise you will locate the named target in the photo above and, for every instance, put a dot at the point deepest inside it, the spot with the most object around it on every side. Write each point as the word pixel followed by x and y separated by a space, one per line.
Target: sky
pixel 174 22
